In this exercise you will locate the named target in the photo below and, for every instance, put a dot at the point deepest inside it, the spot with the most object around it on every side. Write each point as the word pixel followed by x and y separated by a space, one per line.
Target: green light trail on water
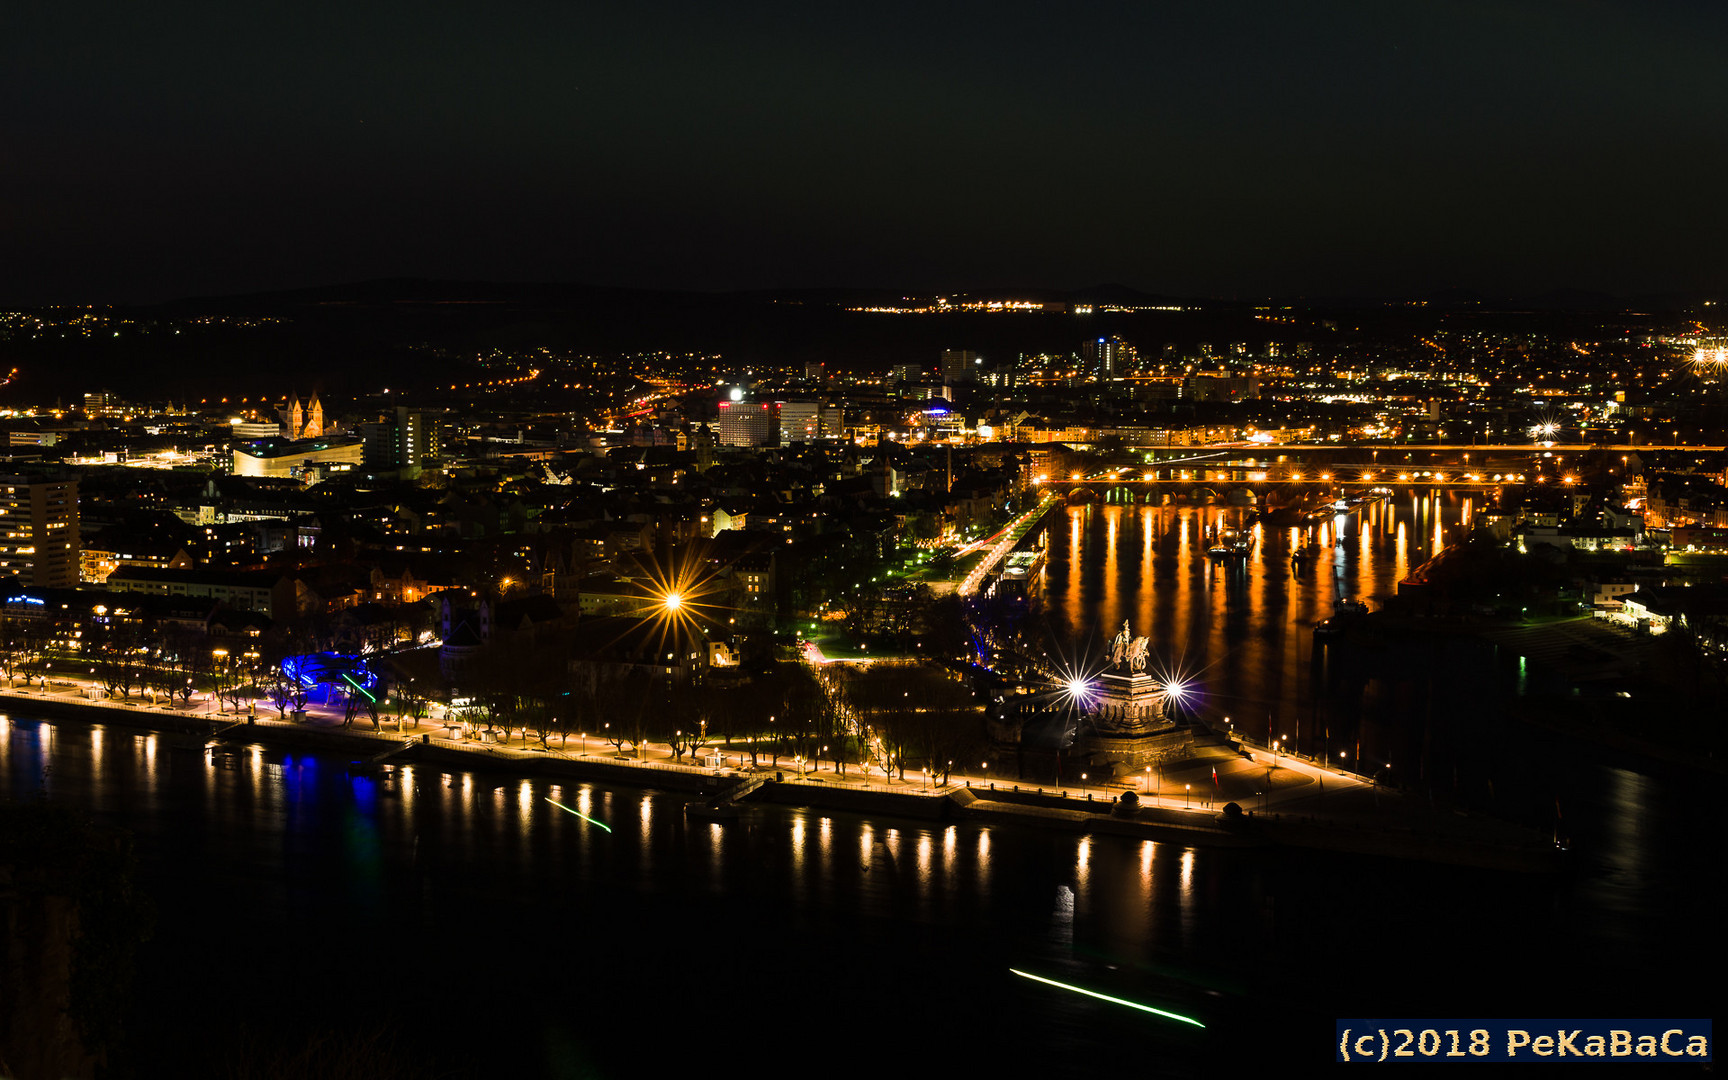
pixel 1107 997
pixel 579 814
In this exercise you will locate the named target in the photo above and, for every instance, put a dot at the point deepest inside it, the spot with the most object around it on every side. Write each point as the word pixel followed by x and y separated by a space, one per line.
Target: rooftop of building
pixel 282 448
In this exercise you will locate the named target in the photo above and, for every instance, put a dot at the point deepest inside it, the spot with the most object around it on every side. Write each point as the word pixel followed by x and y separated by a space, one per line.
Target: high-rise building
pixel 1105 356
pixel 749 423
pixel 960 365
pixel 1220 388
pixel 404 439
pixel 800 421
pixel 804 421
pixel 39 531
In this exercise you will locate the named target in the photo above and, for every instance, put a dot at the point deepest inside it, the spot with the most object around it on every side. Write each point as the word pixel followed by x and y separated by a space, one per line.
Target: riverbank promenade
pixel 1285 799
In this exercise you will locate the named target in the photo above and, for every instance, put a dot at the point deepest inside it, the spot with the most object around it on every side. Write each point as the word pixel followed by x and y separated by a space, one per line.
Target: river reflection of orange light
pixel 717 855
pixel 798 843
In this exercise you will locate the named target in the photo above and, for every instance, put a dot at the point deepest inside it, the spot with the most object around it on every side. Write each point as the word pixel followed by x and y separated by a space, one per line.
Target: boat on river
pixel 712 811
pixel 1345 611
pixel 1230 544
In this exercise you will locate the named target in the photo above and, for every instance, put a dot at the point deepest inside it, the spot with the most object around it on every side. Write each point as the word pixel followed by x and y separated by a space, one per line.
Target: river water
pixel 475 929
pixel 1239 630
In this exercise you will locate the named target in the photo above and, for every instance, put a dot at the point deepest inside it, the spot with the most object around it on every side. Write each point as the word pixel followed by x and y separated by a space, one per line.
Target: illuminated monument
pixel 1127 702
pixel 1115 723
pixel 1125 720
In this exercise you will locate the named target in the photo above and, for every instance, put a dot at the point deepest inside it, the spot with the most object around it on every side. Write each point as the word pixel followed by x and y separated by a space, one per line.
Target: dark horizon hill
pixel 352 340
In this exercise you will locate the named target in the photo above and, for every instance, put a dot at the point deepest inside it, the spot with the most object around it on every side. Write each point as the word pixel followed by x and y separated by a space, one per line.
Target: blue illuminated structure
pixel 320 671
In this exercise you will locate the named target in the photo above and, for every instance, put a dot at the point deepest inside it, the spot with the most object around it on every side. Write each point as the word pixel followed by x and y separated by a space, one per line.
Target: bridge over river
pixel 1291 474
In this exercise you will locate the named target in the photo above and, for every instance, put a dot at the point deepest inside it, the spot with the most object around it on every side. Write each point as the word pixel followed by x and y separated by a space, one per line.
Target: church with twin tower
pixel 303 423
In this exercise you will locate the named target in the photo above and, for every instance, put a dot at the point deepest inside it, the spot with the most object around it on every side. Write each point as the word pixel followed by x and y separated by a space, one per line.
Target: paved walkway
pixel 1298 794
pixel 1260 782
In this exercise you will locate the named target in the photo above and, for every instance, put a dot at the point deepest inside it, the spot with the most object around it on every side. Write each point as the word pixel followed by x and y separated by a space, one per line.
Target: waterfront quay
pixel 1279 799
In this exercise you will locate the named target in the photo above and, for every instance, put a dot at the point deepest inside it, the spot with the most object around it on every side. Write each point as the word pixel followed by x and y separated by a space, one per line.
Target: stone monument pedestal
pixel 1127 704
pixel 1125 726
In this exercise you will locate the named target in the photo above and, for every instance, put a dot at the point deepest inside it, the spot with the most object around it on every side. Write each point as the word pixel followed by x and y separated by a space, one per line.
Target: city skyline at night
pixel 583 540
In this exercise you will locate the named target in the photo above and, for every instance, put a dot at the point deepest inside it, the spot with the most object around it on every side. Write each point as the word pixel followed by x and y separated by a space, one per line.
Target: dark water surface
pixel 485 932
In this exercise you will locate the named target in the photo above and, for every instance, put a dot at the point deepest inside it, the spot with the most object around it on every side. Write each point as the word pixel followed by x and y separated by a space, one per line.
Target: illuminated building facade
pixel 39 531
pixel 804 421
pixel 303 422
pixel 749 423
pixel 1104 356
pixel 406 439
pixel 303 459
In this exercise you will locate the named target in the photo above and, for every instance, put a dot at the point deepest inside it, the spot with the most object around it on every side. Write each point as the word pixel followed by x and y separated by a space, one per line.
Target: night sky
pixel 159 150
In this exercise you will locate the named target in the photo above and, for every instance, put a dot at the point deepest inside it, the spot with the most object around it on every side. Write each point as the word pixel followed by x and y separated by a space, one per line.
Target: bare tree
pixel 914 712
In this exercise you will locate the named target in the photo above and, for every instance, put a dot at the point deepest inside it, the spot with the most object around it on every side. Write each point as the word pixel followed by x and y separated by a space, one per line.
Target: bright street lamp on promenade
pixel 1187 794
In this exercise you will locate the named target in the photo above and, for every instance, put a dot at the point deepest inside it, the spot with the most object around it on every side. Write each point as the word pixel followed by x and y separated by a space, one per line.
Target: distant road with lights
pixel 1004 542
